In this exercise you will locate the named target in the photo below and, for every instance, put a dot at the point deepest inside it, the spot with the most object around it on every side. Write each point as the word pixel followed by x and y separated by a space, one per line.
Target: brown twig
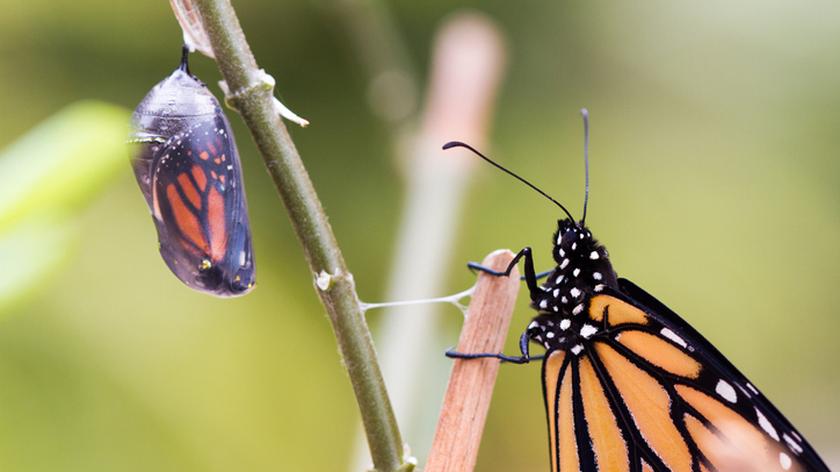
pixel 470 389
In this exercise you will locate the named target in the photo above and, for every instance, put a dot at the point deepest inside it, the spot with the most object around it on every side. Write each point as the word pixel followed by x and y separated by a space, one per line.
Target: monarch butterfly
pixel 188 170
pixel 628 384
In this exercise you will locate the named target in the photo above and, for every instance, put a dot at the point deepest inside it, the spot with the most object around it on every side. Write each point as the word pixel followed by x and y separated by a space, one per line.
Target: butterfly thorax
pixel 583 269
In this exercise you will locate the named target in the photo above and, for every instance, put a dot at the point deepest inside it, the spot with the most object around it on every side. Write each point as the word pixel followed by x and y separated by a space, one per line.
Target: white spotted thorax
pixel 583 269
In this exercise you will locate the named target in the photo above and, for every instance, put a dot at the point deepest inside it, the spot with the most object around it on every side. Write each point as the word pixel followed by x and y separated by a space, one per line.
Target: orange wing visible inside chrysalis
pixel 199 210
pixel 199 176
pixel 190 191
pixel 216 218
pixel 186 220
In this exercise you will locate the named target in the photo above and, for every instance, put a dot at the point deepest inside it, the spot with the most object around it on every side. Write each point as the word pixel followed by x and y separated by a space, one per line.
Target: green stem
pixel 252 97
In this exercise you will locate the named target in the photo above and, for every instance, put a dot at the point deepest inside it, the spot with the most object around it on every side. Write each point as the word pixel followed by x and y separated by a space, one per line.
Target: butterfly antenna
pixel 185 59
pixel 585 114
pixel 453 144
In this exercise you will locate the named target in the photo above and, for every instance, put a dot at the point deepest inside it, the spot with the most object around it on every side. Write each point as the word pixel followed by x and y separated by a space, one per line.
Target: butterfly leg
pixel 522 359
pixel 530 275
pixel 476 266
pixel 540 275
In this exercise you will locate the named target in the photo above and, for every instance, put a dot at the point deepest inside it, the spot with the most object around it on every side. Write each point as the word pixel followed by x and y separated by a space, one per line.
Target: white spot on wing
pixel 794 446
pixel 746 392
pixel 577 348
pixel 574 292
pixel 533 325
pixel 564 263
pixel 750 386
pixel 543 303
pixel 726 391
pixel 784 461
pixel 549 335
pixel 564 325
pixel 594 255
pixel 576 272
pixel 556 292
pixel 673 337
pixel 766 426
pixel 578 309
pixel 597 276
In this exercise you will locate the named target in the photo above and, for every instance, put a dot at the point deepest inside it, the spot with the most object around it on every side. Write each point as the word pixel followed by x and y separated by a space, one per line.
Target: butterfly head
pixel 580 257
pixel 571 239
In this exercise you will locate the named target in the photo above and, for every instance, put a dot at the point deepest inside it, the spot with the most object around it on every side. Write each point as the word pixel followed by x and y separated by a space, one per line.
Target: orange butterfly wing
pixel 647 392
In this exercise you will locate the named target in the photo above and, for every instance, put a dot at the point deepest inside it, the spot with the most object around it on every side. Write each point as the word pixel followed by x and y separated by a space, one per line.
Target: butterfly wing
pixel 648 392
pixel 719 375
pixel 584 429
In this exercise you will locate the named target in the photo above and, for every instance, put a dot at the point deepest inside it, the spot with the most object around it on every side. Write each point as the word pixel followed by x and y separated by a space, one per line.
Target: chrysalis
pixel 188 169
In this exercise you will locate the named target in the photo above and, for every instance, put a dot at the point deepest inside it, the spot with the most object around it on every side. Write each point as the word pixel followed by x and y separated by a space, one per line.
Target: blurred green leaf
pixel 62 161
pixel 30 250
pixel 47 176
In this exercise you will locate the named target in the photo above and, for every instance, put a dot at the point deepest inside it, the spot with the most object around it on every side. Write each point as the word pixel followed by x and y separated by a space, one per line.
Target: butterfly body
pixel 187 167
pixel 583 269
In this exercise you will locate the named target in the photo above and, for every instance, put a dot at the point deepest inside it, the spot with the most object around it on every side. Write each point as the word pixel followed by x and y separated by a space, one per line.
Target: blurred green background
pixel 714 184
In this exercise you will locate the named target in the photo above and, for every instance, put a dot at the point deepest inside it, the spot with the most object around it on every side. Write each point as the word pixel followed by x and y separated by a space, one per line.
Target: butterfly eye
pixel 570 236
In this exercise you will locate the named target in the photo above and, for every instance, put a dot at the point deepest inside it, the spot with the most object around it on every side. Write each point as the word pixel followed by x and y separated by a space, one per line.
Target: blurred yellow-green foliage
pixel 714 183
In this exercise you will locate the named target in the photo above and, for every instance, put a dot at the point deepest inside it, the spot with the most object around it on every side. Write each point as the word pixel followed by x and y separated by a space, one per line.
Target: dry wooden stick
pixel 467 399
